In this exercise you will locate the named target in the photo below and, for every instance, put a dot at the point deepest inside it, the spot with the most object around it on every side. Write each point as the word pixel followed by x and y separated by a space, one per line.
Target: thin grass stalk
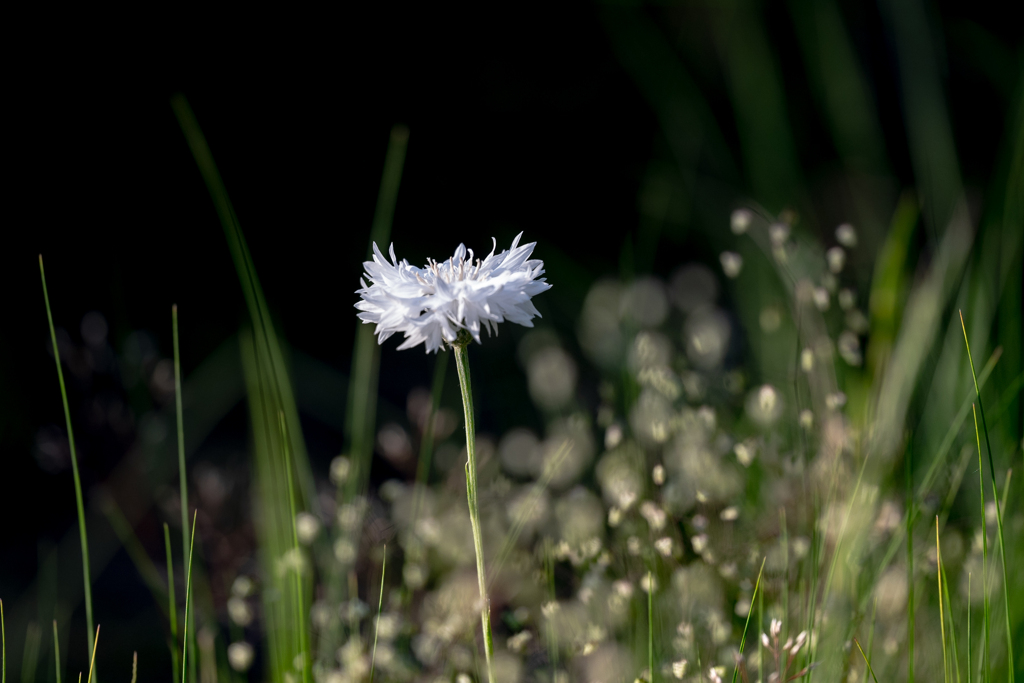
pixel 56 649
pixel 986 664
pixel 188 594
pixel 74 465
pixel 380 605
pixel 135 666
pixel 3 644
pixel 999 514
pixel 866 660
pixel 750 611
pixel 182 481
pixel 942 616
pixel 300 616
pixel 362 398
pixel 172 604
pixel 969 671
pixel 92 661
pixel 871 634
pixel 760 645
pixel 650 625
pixel 30 656
pixel 952 624
pixel 462 363
pixel 909 470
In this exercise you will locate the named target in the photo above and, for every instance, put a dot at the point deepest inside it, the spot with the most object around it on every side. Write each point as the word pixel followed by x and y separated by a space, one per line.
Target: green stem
pixel 172 604
pixel 182 481
pixel 56 649
pixel 462 363
pixel 74 467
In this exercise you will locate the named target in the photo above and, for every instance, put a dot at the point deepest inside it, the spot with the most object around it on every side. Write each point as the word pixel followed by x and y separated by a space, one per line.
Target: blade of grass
pixel 942 617
pixel 135 666
pixel 362 399
pixel 172 604
pixel 650 625
pixel 300 610
pixel 987 674
pixel 866 660
pixel 750 611
pixel 56 650
pixel 380 604
pixel 999 515
pixel 182 480
pixel 969 672
pixel 188 594
pixel 909 468
pixel 3 643
pixel 92 661
pixel 74 465
pixel 30 658
pixel 952 624
pixel 871 632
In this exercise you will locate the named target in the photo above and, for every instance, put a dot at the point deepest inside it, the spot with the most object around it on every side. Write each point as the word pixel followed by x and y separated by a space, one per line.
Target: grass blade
pixel 750 611
pixel 362 398
pixel 984 553
pixel 172 604
pixel 30 658
pixel 74 465
pixel 3 644
pixel 135 666
pixel 866 660
pixel 182 481
pixel 56 650
pixel 969 672
pixel 188 594
pixel 995 499
pixel 910 568
pixel 92 661
pixel 300 610
pixel 650 625
pixel 380 603
pixel 942 617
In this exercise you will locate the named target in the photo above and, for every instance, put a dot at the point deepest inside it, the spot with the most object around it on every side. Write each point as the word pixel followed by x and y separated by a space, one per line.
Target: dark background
pixel 521 118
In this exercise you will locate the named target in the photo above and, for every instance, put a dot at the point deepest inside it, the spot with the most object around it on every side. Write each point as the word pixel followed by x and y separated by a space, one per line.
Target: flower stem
pixel 462 363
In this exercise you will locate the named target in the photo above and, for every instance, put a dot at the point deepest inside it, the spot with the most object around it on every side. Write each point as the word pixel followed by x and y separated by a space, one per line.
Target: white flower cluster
pixel 430 305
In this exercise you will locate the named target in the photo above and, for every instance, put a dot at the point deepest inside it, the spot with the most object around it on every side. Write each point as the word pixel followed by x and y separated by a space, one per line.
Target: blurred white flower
pixel 846 235
pixel 430 305
pixel 240 655
pixel 740 221
pixel 307 527
pixel 732 263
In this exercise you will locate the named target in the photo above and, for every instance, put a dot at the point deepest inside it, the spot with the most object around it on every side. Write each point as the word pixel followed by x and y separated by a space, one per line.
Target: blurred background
pixel 620 137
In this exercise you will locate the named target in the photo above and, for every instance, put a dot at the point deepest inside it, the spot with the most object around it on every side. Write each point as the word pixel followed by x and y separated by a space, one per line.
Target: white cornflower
pixel 430 305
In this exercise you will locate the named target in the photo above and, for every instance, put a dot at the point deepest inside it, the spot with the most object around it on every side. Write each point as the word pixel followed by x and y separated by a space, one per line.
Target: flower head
pixel 430 305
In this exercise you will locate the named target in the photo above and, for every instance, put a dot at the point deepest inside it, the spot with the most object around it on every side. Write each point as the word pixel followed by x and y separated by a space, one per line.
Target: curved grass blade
pixel 172 604
pixel 56 649
pixel 999 514
pixel 188 594
pixel 750 611
pixel 74 465
pixel 182 480
pixel 135 666
pixel 380 603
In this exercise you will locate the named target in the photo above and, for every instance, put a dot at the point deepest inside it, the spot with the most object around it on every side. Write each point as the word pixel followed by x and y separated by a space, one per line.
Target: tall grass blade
pixel 56 650
pixel 188 594
pixel 650 625
pixel 380 604
pixel 135 666
pixel 30 658
pixel 866 660
pixel 172 604
pixel 74 465
pixel 750 612
pixel 942 617
pixel 3 644
pixel 987 673
pixel 300 605
pixel 92 661
pixel 182 480
pixel 970 672
pixel 909 469
pixel 362 397
pixel 999 514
